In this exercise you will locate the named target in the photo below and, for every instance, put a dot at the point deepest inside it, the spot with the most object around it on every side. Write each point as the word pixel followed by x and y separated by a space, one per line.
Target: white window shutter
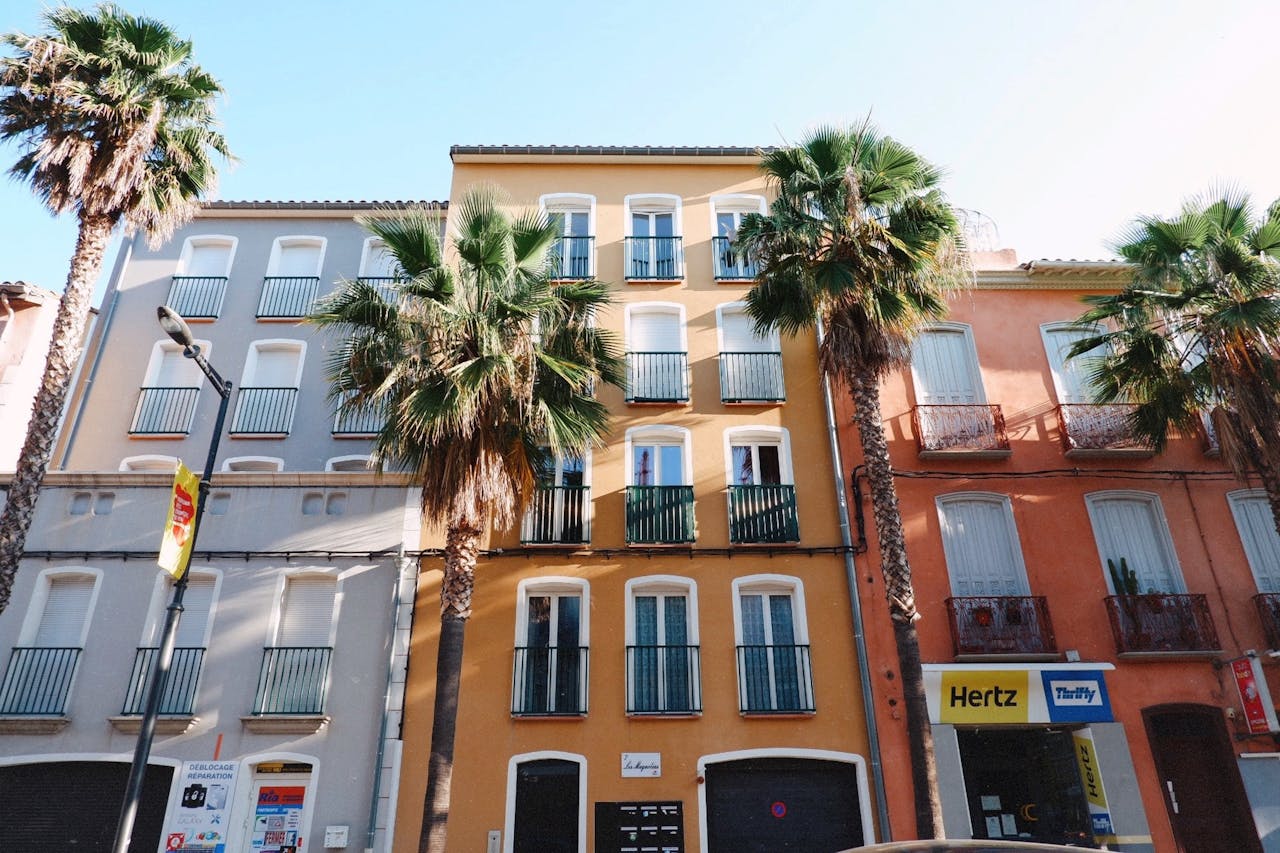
pixel 739 334
pixel 197 604
pixel 300 260
pixel 1130 528
pixel 1258 535
pixel 655 331
pixel 945 369
pixel 307 612
pixel 62 622
pixel 984 556
pixel 208 259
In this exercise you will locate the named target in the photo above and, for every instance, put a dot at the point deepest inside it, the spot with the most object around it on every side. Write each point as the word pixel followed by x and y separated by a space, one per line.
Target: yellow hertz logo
pixel 984 697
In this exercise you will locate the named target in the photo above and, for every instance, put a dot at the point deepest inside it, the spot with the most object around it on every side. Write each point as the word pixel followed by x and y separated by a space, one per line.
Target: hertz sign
pixel 1014 695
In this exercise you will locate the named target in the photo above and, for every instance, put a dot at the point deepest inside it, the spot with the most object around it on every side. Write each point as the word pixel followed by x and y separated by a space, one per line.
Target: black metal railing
pixel 657 377
pixel 1268 604
pixel 164 411
pixel 557 515
pixel 751 377
pixel 664 680
pixel 359 420
pixel 179 697
pixel 959 428
pixel 763 514
pixel 774 680
pixel 549 681
pixel 1159 622
pixel 292 680
pixel 287 296
pixel 1098 428
pixel 659 515
pixel 38 681
pixel 571 257
pixel 1001 625
pixel 385 285
pixel 730 264
pixel 263 411
pixel 653 258
pixel 197 297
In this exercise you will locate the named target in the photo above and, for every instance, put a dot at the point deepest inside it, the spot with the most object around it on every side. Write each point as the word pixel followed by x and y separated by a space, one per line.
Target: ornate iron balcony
pixel 292 680
pixel 287 296
pixel 657 377
pixel 664 680
pixel 659 515
pixel 263 411
pixel 38 681
pixel 164 411
pixel 549 681
pixel 1001 625
pixel 557 515
pixel 197 297
pixel 763 514
pixel 573 258
pixel 731 265
pixel 653 258
pixel 751 377
pixel 1268 604
pixel 775 680
pixel 944 430
pixel 179 697
pixel 1161 622
pixel 1088 429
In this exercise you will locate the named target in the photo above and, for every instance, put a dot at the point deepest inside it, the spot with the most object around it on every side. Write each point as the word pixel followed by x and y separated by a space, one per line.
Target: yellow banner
pixel 1087 760
pixel 175 547
pixel 984 697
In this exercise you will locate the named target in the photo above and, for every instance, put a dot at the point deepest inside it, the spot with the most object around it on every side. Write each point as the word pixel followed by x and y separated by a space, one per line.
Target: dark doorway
pixel 769 805
pixel 546 807
pixel 1203 793
pixel 74 805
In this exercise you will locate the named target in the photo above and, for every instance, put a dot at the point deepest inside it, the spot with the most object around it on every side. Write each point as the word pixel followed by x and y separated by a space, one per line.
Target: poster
pixel 176 544
pixel 204 810
pixel 277 819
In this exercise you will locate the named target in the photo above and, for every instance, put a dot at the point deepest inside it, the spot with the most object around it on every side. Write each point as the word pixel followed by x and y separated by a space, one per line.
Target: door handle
pixel 1173 798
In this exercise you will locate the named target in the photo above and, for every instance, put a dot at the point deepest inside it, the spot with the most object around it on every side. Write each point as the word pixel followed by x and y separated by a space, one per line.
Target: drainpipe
pixel 855 604
pixel 397 600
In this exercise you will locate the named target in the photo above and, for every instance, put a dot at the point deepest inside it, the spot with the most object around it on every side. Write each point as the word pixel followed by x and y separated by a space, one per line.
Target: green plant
pixel 1124 579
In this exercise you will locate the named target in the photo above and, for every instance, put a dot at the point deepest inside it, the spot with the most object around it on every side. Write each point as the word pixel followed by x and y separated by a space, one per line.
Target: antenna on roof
pixel 980 231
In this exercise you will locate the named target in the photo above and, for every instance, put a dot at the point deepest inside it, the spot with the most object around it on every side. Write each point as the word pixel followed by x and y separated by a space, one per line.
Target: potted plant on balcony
pixel 1124 581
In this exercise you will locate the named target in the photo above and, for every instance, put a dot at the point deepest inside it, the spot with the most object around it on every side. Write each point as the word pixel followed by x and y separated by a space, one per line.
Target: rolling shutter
pixel 65 611
pixel 307 612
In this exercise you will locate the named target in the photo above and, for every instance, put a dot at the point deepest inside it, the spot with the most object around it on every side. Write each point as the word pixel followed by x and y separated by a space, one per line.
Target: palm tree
pixel 861 244
pixel 116 124
pixel 483 371
pixel 1198 330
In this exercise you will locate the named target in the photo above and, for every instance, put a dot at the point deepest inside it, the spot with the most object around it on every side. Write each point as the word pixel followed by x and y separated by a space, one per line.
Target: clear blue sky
pixel 1059 120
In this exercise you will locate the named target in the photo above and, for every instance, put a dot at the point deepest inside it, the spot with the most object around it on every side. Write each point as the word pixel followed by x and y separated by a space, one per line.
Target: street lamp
pixel 176 328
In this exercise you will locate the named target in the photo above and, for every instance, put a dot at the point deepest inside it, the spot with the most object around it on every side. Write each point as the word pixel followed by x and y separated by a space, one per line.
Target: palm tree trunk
pixel 462 546
pixel 46 409
pixel 865 391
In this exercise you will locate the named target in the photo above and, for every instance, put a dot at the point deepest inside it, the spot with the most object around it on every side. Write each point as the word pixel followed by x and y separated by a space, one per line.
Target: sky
pixel 1061 122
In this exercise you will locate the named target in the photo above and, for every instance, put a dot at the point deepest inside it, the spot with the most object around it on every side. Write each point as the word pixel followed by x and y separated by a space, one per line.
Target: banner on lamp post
pixel 175 546
pixel 1255 698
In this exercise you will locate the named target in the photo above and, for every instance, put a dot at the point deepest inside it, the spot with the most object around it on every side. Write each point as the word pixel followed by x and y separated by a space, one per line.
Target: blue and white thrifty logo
pixel 1075 693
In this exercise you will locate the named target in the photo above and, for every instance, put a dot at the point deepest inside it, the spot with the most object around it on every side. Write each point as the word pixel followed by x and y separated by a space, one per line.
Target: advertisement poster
pixel 176 544
pixel 204 811
pixel 1255 698
pixel 1094 792
pixel 277 819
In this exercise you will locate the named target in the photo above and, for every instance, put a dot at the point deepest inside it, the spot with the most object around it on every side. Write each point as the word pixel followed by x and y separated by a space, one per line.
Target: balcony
pixel 751 377
pixel 775 680
pixel 731 265
pixel 763 515
pixel 1161 625
pixel 975 431
pixel 385 285
pixel 179 696
pixel 38 681
pixel 557 516
pixel 1001 626
pixel 164 411
pixel 263 411
pixel 292 680
pixel 664 680
pixel 549 681
pixel 573 258
pixel 1099 430
pixel 197 297
pixel 657 377
pixel 659 515
pixel 287 297
pixel 653 259
pixel 358 421
pixel 1268 604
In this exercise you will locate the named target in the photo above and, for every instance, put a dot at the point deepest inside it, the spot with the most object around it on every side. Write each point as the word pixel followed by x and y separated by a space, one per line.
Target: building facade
pixel 26 324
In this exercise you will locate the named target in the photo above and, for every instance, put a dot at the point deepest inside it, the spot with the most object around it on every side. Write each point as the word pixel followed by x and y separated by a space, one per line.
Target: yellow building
pixel 663 657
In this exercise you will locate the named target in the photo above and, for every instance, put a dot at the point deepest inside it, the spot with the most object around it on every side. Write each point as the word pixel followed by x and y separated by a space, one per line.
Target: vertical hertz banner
pixel 175 547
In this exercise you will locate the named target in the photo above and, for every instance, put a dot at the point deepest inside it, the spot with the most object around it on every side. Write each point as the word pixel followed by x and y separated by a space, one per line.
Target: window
pixel 292 279
pixel 653 250
pixel 574 215
pixel 561 506
pixel 750 365
pixel 659 494
pixel 727 212
pixel 168 396
pixel 951 413
pixel 762 493
pixel 189 648
pixel 773 653
pixel 663 664
pixel 43 664
pixel 551 648
pixel 657 355
pixel 353 464
pixel 269 388
pixel 980 541
pixel 295 663
pixel 1257 528
pixel 1087 427
pixel 1131 526
pixel 270 464
pixel 150 464
pixel 198 288
pixel 546 803
pixel 379 268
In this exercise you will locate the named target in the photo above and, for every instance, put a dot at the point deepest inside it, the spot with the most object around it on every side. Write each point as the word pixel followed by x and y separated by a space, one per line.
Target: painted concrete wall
pixel 24 343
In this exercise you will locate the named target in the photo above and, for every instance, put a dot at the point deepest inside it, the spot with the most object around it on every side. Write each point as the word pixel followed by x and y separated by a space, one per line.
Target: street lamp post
pixel 176 328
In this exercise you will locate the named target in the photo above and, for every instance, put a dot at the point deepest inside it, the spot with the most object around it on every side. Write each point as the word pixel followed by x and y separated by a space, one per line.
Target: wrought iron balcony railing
pixel 1001 625
pixel 385 285
pixel 653 258
pixel 197 297
pixel 1268 604
pixel 730 265
pixel 657 377
pixel 287 296
pixel 664 680
pixel 751 377
pixel 763 514
pixel 1089 429
pixel 774 680
pixel 293 680
pixel 976 430
pixel 263 411
pixel 179 696
pixel 549 681
pixel 659 515
pixel 358 420
pixel 573 258
pixel 38 681
pixel 1159 622
pixel 557 515
pixel 164 411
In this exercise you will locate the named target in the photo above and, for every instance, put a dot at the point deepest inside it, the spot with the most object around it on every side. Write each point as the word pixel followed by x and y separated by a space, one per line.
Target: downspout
pixel 855 605
pixel 397 600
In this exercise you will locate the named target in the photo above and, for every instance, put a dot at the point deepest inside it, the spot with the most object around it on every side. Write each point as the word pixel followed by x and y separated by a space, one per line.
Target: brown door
pixel 1202 789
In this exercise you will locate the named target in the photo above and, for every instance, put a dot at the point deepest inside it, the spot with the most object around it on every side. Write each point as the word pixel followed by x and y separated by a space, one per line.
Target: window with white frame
pixel 268 389
pixel 762 494
pixel 189 647
pixel 551 648
pixel 356 463
pixel 750 364
pixel 150 463
pixel 254 464
pixel 169 393
pixel 198 288
pixel 659 479
pixel 951 411
pixel 1133 536
pixel 295 665
pixel 1088 427
pixel 42 666
pixel 663 662
pixel 293 278
pixel 1070 374
pixel 1256 525
pixel 574 216
pixel 657 353
pixel 546 803
pixel 727 212
pixel 561 507
pixel 376 263
pixel 653 248
pixel 980 541
pixel 774 675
